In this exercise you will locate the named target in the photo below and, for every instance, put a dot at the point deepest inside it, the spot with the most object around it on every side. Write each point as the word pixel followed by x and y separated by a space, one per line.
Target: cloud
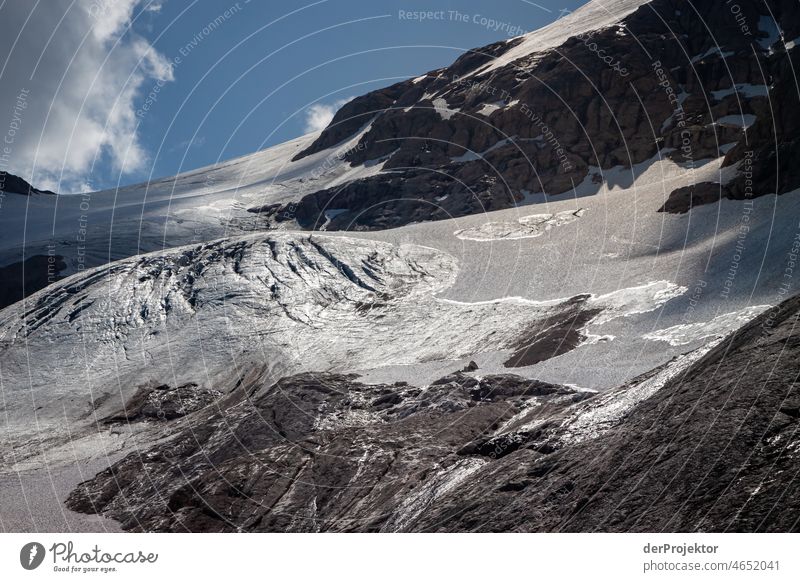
pixel 319 115
pixel 81 70
pixel 154 6
pixel 184 145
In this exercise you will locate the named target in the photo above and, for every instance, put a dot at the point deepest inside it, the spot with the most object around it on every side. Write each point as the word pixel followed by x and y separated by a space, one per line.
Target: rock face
pixel 476 136
pixel 164 403
pixel 714 450
pixel 12 184
pixel 704 446
pixel 684 199
pixel 314 453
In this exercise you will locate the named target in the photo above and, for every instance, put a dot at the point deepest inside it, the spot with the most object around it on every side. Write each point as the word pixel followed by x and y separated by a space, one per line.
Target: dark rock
pixel 708 452
pixel 268 209
pixel 557 334
pixel 715 449
pixel 164 403
pixel 471 367
pixel 303 455
pixel 684 199
pixel 12 184
pixel 565 110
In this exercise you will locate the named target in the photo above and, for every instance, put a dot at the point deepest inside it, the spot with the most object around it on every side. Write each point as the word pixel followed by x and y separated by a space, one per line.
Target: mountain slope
pixel 714 450
pixel 94 228
pixel 613 84
pixel 712 447
pixel 198 316
pixel 502 219
pixel 11 184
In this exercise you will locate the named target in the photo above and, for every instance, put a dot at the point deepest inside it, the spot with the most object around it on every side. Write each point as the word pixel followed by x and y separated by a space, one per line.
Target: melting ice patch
pixel 441 107
pixel 443 481
pixel 594 417
pixel 634 300
pixel 526 227
pixel 683 334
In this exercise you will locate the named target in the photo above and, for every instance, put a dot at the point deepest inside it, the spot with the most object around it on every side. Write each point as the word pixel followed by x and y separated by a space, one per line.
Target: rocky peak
pixel 11 184
pixel 612 85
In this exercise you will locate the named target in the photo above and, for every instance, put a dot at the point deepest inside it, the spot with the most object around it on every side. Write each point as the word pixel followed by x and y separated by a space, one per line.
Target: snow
pixel 330 214
pixel 200 205
pixel 714 50
pixel 471 156
pixel 300 302
pixel 687 333
pixel 745 120
pixel 668 121
pixel 633 262
pixel 620 243
pixel 593 16
pixel 596 339
pixel 441 107
pixel 745 90
pixel 594 417
pixel 634 300
pixel 435 485
pixel 406 304
pixel 402 304
pixel 526 227
pixel 488 108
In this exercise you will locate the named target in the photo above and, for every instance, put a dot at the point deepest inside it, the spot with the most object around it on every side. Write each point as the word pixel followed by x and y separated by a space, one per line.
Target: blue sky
pixel 196 84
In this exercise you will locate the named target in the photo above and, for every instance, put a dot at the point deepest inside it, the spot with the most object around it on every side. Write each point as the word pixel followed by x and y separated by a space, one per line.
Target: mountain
pixel 11 184
pixel 469 303
pixel 613 84
pixel 613 87
pixel 709 447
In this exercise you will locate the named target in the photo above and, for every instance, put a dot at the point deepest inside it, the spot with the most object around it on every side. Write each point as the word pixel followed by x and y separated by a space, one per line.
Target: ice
pixel 441 107
pixel 594 417
pixel 714 50
pixel 471 156
pixel 526 227
pixel 199 205
pixel 687 333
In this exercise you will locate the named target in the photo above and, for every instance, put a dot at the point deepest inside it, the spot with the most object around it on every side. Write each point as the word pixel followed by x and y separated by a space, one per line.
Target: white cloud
pixel 84 70
pixel 184 145
pixel 319 115
pixel 154 6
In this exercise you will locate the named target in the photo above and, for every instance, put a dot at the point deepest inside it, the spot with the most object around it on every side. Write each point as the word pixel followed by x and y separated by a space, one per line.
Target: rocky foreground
pixel 708 442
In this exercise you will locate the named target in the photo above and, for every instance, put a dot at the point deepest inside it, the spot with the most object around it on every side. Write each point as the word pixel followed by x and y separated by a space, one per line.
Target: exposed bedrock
pixel 686 81
pixel 706 442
